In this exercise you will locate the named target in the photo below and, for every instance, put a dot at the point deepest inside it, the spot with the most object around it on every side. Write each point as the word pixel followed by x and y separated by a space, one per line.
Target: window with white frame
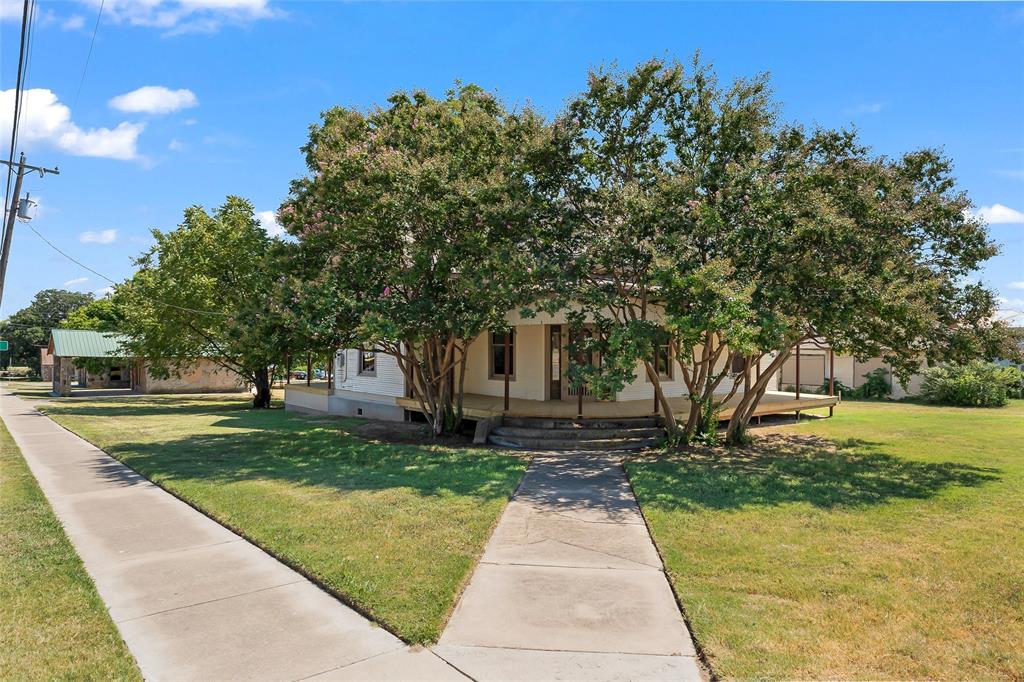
pixel 368 362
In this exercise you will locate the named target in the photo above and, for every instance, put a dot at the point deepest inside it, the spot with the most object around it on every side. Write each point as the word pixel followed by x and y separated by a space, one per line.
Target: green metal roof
pixel 83 343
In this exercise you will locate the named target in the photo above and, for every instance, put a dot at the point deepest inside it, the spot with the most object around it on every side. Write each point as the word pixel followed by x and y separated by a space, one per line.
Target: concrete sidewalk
pixel 570 586
pixel 194 601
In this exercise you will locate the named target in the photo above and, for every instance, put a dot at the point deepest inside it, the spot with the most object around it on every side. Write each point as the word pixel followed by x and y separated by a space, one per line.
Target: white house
pixel 371 384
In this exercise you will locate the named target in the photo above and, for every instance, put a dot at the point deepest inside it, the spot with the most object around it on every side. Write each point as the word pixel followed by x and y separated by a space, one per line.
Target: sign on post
pixel 4 346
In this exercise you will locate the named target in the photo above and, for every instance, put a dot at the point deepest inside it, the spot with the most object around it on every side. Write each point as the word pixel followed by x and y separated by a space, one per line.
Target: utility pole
pixel 12 212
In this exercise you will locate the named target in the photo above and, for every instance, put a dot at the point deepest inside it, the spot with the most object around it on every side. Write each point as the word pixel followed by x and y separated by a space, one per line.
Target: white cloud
pixel 186 16
pixel 1017 285
pixel 865 108
pixel 997 214
pixel 73 23
pixel 105 291
pixel 76 281
pixel 46 121
pixel 11 10
pixel 175 145
pixel 154 99
pixel 190 121
pixel 268 221
pixel 101 237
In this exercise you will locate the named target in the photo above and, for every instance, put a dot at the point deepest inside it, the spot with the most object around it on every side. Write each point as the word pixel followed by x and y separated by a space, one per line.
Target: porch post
pixel 798 372
pixel 831 372
pixel 831 376
pixel 654 389
pixel 508 335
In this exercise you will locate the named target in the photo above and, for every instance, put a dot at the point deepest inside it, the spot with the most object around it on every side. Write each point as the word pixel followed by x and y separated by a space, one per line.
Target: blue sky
pixel 232 86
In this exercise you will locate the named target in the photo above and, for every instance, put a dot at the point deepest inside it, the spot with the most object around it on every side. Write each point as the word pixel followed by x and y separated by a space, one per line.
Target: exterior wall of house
pixel 388 380
pixel 849 371
pixel 204 376
pixel 355 394
pixel 528 361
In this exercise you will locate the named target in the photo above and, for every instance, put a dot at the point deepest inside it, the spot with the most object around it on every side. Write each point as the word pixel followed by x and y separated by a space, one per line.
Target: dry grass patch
pixel 884 543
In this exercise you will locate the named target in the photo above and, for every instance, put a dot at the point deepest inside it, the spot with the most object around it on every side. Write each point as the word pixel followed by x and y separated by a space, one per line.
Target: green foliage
pixel 974 384
pixel 876 385
pixel 706 431
pixel 29 328
pixel 102 315
pixel 209 289
pixel 418 228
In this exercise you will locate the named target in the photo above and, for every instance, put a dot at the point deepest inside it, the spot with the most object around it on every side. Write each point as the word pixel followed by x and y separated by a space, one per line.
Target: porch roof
pixel 85 343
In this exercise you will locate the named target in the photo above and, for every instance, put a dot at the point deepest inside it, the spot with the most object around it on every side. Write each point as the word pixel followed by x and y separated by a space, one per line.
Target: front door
pixel 593 359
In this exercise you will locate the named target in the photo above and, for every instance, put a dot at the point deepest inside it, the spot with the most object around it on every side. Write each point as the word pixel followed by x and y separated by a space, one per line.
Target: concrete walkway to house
pixel 570 586
pixel 194 601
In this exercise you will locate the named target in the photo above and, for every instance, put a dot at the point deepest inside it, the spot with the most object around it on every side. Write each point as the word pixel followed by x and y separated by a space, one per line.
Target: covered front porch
pixel 479 406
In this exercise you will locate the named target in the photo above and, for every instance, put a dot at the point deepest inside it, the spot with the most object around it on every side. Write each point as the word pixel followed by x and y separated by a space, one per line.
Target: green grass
pixel 53 625
pixel 32 390
pixel 884 543
pixel 393 529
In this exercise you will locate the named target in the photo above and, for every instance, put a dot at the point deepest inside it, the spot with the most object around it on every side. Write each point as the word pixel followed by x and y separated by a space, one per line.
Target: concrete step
pixel 574 443
pixel 596 423
pixel 583 433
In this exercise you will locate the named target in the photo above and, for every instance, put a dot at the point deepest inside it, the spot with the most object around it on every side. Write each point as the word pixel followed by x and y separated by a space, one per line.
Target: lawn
pixel 393 529
pixel 884 543
pixel 53 625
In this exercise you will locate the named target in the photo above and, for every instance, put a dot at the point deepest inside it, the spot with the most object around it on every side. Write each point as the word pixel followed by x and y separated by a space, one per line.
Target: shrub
pixel 975 384
pixel 876 386
pixel 1013 379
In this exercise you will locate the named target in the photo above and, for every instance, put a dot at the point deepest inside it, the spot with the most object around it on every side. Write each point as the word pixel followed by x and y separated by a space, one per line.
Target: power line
pixel 101 275
pixel 17 102
pixel 88 56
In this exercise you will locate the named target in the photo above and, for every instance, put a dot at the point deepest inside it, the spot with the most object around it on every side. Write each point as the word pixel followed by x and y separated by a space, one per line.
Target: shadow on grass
pixel 147 405
pixel 780 470
pixel 253 445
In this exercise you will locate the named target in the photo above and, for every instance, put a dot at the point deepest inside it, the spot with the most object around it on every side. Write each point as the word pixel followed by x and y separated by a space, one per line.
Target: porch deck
pixel 477 406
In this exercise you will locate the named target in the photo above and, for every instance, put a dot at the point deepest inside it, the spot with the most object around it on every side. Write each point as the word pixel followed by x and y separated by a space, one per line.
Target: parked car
pixel 300 374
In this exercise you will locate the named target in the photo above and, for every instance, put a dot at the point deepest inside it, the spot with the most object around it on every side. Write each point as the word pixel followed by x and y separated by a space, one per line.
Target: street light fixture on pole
pixel 15 211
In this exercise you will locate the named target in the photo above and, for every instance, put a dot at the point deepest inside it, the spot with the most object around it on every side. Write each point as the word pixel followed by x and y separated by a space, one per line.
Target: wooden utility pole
pixel 12 213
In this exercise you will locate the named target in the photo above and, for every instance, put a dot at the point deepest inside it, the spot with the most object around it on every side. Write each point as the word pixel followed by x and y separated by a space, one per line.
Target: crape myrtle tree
pixel 210 289
pixel 700 226
pixel 870 253
pixel 420 218
pixel 666 163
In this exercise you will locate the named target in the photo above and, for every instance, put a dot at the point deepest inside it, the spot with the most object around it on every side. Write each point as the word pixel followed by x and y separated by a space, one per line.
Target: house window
pixel 498 356
pixel 663 360
pixel 368 362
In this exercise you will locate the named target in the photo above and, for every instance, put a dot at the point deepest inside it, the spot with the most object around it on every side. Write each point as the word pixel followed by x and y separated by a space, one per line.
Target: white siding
pixel 388 382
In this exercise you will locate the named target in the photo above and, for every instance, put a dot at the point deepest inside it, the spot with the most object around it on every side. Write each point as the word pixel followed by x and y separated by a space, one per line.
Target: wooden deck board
pixel 477 406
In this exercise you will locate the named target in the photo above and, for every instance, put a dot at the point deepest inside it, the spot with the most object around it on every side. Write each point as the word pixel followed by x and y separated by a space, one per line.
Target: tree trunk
pixel 668 416
pixel 750 400
pixel 262 385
